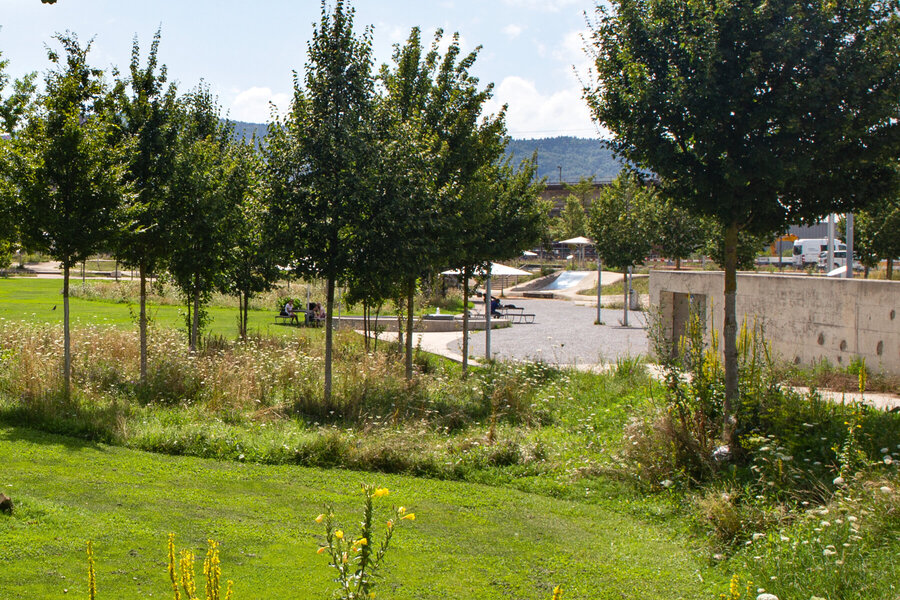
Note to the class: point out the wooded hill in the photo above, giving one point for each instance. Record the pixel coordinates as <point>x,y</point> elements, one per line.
<point>578,157</point>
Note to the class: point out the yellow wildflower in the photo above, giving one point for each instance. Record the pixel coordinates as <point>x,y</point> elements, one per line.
<point>390,524</point>
<point>401,510</point>
<point>410,516</point>
<point>320,550</point>
<point>557,592</point>
<point>360,542</point>
<point>320,518</point>
<point>339,534</point>
<point>379,492</point>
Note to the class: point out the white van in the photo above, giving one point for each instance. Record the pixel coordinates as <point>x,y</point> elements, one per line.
<point>806,252</point>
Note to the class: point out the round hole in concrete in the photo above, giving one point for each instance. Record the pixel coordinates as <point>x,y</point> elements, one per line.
<point>821,339</point>
<point>843,345</point>
<point>879,349</point>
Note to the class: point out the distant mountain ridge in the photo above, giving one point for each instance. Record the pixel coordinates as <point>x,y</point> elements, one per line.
<point>567,158</point>
<point>578,157</point>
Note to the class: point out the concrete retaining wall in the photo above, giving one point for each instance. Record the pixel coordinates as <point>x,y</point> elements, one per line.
<point>806,318</point>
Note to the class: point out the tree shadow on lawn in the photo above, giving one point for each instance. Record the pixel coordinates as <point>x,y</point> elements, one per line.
<point>17,433</point>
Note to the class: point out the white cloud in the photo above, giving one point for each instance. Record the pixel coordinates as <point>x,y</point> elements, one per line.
<point>532,114</point>
<point>512,31</point>
<point>254,105</point>
<point>571,52</point>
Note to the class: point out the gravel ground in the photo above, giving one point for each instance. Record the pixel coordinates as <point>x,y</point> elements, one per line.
<point>563,333</point>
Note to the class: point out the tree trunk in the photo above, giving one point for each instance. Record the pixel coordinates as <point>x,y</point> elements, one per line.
<point>465,346</point>
<point>889,273</point>
<point>729,334</point>
<point>142,322</point>
<point>410,301</point>
<point>678,264</point>
<point>195,323</point>
<point>329,318</point>
<point>375,329</point>
<point>366,324</point>
<point>67,340</point>
<point>625,295</point>
<point>244,309</point>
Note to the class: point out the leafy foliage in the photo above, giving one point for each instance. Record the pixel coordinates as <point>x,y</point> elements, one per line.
<point>208,185</point>
<point>757,115</point>
<point>68,173</point>
<point>620,222</point>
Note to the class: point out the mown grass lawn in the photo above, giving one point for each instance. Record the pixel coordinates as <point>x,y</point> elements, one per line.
<point>468,541</point>
<point>31,299</point>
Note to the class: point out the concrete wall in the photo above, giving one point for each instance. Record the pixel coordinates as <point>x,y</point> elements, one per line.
<point>806,318</point>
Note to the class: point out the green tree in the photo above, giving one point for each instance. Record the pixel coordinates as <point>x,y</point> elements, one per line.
<point>573,218</point>
<point>574,212</point>
<point>320,157</point>
<point>69,174</point>
<point>13,110</point>
<point>675,231</point>
<point>757,115</point>
<point>144,110</point>
<point>621,225</point>
<point>749,245</point>
<point>620,222</point>
<point>250,266</point>
<point>446,103</point>
<point>876,235</point>
<point>201,213</point>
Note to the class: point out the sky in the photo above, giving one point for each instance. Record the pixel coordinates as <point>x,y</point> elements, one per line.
<point>532,50</point>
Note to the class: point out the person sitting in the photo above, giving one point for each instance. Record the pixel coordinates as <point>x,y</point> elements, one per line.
<point>319,314</point>
<point>289,311</point>
<point>495,307</point>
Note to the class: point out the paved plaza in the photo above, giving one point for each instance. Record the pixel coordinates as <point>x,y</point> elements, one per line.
<point>563,333</point>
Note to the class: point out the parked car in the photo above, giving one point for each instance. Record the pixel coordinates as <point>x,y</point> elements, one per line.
<point>807,250</point>
<point>840,260</point>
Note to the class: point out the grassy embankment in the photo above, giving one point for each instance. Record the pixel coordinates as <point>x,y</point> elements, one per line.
<point>514,428</point>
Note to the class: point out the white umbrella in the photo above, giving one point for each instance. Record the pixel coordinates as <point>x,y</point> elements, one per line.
<point>577,241</point>
<point>529,253</point>
<point>496,269</point>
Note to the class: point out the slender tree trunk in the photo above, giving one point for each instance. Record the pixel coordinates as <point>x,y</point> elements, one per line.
<point>729,334</point>
<point>625,295</point>
<point>244,309</point>
<point>329,318</point>
<point>195,323</point>
<point>375,330</point>
<point>465,346</point>
<point>399,323</point>
<point>889,273</point>
<point>142,322</point>
<point>366,324</point>
<point>410,301</point>
<point>678,264</point>
<point>67,340</point>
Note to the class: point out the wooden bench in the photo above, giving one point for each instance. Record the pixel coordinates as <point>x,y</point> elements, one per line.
<point>283,318</point>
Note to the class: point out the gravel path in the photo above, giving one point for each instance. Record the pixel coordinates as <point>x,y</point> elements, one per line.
<point>563,333</point>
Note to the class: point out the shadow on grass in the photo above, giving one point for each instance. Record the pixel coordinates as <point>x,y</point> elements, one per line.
<point>15,433</point>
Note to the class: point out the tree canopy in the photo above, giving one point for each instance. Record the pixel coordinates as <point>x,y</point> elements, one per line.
<point>758,115</point>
